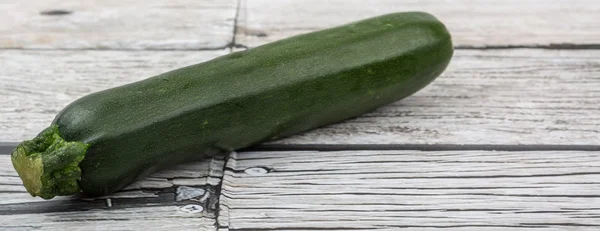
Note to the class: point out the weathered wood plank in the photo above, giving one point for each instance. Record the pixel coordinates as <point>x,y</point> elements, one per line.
<point>117,24</point>
<point>515,96</point>
<point>155,203</point>
<point>387,190</point>
<point>472,23</point>
<point>36,85</point>
<point>145,218</point>
<point>524,96</point>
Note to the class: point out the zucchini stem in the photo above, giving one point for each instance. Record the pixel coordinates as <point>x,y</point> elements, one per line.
<point>48,164</point>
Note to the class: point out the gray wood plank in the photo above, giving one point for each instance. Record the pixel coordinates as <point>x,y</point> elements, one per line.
<point>472,23</point>
<point>502,97</point>
<point>155,203</point>
<point>515,97</point>
<point>388,190</point>
<point>36,85</point>
<point>117,24</point>
<point>145,218</point>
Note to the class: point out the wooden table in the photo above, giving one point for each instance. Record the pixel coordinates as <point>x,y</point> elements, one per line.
<point>508,138</point>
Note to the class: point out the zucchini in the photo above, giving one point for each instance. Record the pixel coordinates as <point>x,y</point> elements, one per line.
<point>106,140</point>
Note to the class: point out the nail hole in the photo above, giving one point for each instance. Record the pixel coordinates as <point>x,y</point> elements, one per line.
<point>256,171</point>
<point>192,208</point>
<point>261,34</point>
<point>55,12</point>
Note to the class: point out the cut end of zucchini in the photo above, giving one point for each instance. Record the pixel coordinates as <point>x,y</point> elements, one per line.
<point>48,165</point>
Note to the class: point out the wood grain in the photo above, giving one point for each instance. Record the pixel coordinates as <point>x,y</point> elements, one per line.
<point>145,218</point>
<point>388,190</point>
<point>154,203</point>
<point>515,97</point>
<point>117,24</point>
<point>36,85</point>
<point>503,97</point>
<point>472,23</point>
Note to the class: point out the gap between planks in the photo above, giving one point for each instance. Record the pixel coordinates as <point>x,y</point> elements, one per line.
<point>165,200</point>
<point>157,202</point>
<point>126,25</point>
<point>6,148</point>
<point>491,24</point>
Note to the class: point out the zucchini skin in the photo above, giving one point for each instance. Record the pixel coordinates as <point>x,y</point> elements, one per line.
<point>244,98</point>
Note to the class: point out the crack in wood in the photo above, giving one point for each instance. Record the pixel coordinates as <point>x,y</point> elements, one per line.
<point>421,147</point>
<point>514,190</point>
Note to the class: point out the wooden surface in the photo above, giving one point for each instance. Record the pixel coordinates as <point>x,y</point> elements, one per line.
<point>388,190</point>
<point>157,202</point>
<point>117,24</point>
<point>61,76</point>
<point>515,96</point>
<point>480,24</point>
<point>524,81</point>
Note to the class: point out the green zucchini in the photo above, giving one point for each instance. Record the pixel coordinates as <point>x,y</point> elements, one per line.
<point>106,140</point>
